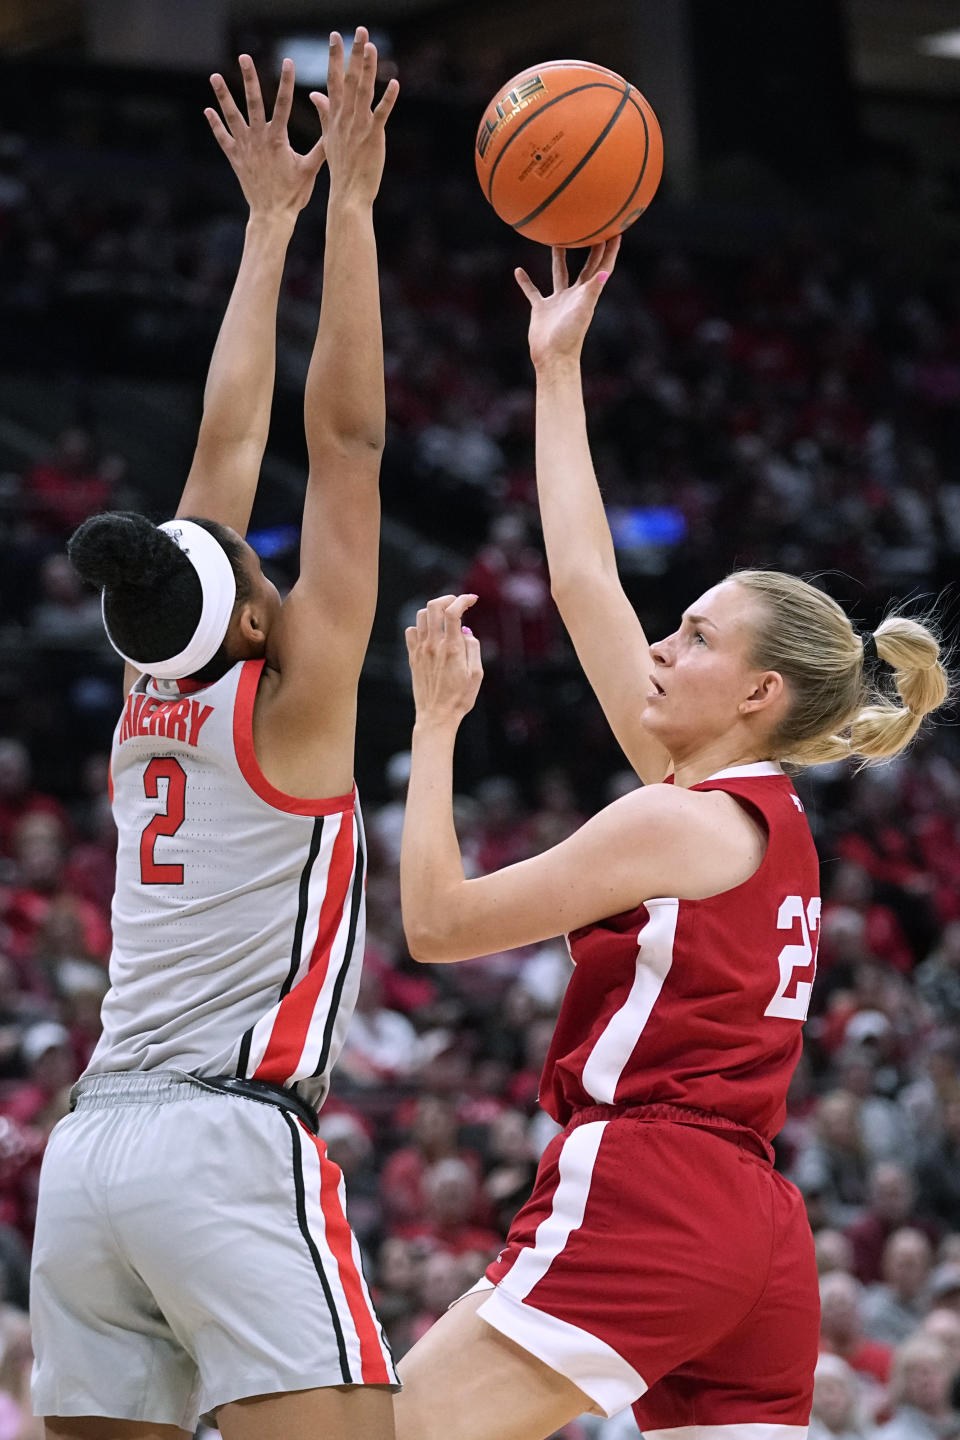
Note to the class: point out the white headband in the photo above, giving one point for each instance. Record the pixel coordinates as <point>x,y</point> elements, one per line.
<point>219,586</point>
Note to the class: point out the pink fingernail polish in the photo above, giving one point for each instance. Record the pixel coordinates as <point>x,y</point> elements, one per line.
<point>466,629</point>
<point>604,275</point>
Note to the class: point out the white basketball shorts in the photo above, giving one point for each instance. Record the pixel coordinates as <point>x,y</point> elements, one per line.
<point>191,1249</point>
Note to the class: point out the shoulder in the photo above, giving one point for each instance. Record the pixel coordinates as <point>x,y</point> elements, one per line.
<point>702,842</point>
<point>682,814</point>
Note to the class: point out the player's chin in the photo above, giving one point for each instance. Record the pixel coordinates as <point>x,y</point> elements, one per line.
<point>652,717</point>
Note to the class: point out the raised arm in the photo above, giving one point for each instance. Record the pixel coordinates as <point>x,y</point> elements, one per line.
<point>277,183</point>
<point>601,622</point>
<point>326,620</point>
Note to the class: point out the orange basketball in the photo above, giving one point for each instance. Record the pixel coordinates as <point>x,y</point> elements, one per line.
<point>569,153</point>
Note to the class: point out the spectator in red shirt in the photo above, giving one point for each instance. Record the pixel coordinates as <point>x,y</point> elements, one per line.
<point>91,867</point>
<point>40,914</point>
<point>891,1205</point>
<point>433,1136</point>
<point>452,1196</point>
<point>502,831</point>
<point>67,487</point>
<point>515,620</point>
<point>17,796</point>
<point>851,887</point>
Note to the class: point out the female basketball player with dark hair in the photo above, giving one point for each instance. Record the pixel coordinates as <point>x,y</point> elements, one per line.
<point>192,1253</point>
<point>660,1262</point>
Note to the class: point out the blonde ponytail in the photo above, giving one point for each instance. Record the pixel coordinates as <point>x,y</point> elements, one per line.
<point>882,728</point>
<point>841,707</point>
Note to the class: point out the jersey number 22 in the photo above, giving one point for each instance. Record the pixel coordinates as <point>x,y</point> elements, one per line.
<point>793,957</point>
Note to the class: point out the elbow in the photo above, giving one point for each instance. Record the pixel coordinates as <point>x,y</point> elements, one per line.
<point>565,585</point>
<point>421,940</point>
<point>579,579</point>
<point>372,441</point>
<point>427,944</point>
<point>347,438</point>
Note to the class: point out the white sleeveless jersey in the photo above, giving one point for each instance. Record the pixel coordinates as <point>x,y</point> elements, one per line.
<point>238,915</point>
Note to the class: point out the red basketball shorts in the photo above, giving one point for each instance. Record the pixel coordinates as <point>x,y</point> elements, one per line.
<point>666,1266</point>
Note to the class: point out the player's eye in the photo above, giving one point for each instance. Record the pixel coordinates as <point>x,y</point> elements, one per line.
<point>697,636</point>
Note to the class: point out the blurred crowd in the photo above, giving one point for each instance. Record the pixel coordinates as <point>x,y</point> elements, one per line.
<point>790,400</point>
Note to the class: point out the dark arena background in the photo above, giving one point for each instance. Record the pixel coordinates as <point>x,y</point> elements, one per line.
<point>773,378</point>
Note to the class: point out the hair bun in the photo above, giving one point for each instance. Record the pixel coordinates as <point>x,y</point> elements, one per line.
<point>122,548</point>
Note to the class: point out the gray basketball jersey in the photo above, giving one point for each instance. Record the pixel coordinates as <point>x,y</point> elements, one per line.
<point>238,915</point>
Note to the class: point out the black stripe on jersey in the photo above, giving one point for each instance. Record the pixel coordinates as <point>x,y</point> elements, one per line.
<point>304,897</point>
<point>302,908</point>
<point>300,1192</point>
<point>356,902</point>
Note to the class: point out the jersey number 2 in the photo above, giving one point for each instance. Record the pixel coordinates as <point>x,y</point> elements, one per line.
<point>166,822</point>
<point>795,957</point>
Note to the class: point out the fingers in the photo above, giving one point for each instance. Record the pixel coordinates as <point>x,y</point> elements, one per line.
<point>441,617</point>
<point>355,65</point>
<point>231,111</point>
<point>527,285</point>
<point>335,69</point>
<point>474,660</point>
<point>387,101</point>
<point>436,612</point>
<point>220,132</point>
<point>453,613</point>
<point>316,156</point>
<point>601,260</point>
<point>441,652</point>
<point>610,252</point>
<point>284,100</point>
<point>352,87</point>
<point>367,74</point>
<point>561,276</point>
<point>251,89</point>
<point>454,633</point>
<point>423,616</point>
<point>592,264</point>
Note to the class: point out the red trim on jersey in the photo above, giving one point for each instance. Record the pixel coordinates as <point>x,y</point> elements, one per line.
<point>250,765</point>
<point>184,687</point>
<point>373,1366</point>
<point>110,779</point>
<point>190,687</point>
<point>292,1023</point>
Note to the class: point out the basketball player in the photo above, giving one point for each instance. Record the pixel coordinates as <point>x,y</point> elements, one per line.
<point>660,1262</point>
<point>192,1253</point>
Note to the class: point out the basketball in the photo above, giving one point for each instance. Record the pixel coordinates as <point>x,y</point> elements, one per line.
<point>569,153</point>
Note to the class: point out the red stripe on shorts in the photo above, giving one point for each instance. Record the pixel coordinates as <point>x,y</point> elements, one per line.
<point>373,1366</point>
<point>292,1025</point>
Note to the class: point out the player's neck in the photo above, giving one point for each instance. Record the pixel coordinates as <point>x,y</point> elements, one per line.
<point>693,767</point>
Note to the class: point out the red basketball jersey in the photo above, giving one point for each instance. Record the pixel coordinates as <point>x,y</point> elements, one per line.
<point>699,1002</point>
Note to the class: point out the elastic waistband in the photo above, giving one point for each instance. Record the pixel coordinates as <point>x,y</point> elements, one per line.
<point>132,1087</point>
<point>740,1135</point>
<point>157,1087</point>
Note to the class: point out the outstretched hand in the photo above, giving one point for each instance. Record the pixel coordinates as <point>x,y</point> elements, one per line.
<point>352,126</point>
<point>275,179</point>
<point>444,660</point>
<point>559,321</point>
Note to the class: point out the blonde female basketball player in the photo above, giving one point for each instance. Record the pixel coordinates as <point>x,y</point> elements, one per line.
<point>660,1262</point>
<point>192,1252</point>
